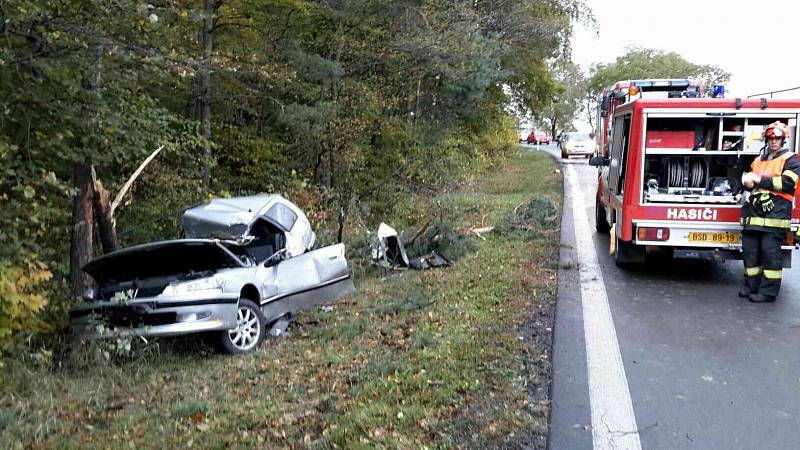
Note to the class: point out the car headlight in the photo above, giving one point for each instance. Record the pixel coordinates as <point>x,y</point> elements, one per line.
<point>90,293</point>
<point>203,284</point>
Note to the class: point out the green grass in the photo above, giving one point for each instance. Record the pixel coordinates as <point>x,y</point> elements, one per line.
<point>428,359</point>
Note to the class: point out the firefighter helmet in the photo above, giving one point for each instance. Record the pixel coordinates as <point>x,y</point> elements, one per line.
<point>776,129</point>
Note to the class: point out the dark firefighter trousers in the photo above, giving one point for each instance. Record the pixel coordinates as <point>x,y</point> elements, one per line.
<point>763,261</point>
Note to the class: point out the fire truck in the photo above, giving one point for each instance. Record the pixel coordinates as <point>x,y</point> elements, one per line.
<point>670,173</point>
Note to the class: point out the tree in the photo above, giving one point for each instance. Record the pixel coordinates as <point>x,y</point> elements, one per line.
<point>639,63</point>
<point>567,98</point>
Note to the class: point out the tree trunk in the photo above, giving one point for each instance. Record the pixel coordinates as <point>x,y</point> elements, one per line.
<point>81,243</point>
<point>82,230</point>
<point>591,113</point>
<point>105,220</point>
<point>207,38</point>
<point>332,165</point>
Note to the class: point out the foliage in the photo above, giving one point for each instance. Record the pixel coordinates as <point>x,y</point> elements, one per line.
<point>637,63</point>
<point>540,213</point>
<point>20,297</point>
<point>441,237</point>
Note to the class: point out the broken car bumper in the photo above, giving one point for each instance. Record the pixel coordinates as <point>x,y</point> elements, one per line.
<point>157,316</point>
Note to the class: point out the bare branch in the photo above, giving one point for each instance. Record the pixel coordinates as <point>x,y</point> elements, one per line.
<point>130,181</point>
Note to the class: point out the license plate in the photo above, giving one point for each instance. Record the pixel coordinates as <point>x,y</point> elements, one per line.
<point>717,238</point>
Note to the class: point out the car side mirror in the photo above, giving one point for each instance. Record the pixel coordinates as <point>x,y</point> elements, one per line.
<point>598,161</point>
<point>275,258</point>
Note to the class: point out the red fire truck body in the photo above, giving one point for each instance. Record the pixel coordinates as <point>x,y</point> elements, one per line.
<point>672,175</point>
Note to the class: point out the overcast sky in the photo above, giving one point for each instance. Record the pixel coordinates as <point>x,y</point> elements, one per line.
<point>754,41</point>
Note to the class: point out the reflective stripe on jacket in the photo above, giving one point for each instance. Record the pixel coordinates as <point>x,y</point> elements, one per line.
<point>766,222</point>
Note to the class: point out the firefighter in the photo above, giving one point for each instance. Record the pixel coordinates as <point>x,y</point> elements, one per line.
<point>766,216</point>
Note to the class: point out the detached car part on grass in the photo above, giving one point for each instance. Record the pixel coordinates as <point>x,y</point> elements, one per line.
<point>244,263</point>
<point>388,251</point>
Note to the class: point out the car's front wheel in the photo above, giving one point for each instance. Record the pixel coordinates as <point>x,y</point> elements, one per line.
<point>249,331</point>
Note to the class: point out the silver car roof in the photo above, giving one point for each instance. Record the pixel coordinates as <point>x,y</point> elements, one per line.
<point>232,218</point>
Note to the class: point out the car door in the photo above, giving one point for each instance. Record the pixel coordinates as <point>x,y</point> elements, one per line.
<point>307,274</point>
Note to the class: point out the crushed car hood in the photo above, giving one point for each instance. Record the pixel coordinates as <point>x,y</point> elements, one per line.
<point>161,259</point>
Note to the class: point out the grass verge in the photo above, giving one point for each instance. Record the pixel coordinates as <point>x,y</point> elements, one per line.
<point>446,358</point>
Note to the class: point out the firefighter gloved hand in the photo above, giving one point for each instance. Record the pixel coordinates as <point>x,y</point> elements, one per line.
<point>767,205</point>
<point>765,202</point>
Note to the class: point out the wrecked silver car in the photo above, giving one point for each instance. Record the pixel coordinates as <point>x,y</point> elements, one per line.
<point>243,263</point>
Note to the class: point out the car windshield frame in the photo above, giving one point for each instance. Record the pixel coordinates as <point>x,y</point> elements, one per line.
<point>578,136</point>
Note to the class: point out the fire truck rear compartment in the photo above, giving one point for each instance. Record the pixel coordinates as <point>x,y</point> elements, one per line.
<point>700,159</point>
<point>713,179</point>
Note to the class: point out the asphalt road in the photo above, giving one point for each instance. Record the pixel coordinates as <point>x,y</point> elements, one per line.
<point>705,369</point>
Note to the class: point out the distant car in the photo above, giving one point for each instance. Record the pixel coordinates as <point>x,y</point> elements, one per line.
<point>575,143</point>
<point>244,263</point>
<point>538,137</point>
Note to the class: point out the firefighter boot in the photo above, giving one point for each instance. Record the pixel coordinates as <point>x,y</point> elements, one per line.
<point>761,298</point>
<point>745,292</point>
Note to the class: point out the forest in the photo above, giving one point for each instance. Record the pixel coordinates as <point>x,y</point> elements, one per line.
<point>364,107</point>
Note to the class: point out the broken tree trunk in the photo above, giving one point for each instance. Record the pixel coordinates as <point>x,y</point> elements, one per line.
<point>82,229</point>
<point>105,218</point>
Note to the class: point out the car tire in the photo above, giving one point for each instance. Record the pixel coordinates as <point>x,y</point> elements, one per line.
<point>249,331</point>
<point>600,223</point>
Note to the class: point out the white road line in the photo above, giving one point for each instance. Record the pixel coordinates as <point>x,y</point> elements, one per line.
<point>613,420</point>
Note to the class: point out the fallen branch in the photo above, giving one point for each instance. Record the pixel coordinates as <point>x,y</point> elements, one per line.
<point>130,181</point>
<point>419,232</point>
<point>477,231</point>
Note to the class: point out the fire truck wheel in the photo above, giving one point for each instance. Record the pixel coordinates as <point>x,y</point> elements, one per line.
<point>600,222</point>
